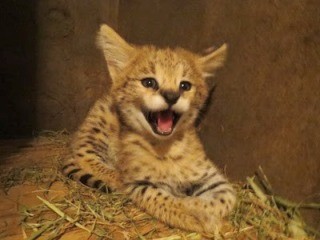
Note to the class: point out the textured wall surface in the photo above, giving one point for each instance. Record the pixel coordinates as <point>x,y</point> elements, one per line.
<point>71,72</point>
<point>265,108</point>
<point>266,105</point>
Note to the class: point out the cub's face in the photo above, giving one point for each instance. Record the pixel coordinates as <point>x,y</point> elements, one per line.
<point>158,91</point>
<point>161,91</point>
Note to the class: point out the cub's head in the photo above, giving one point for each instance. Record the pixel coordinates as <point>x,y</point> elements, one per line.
<point>157,91</point>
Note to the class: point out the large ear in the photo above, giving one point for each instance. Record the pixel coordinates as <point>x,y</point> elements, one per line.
<point>116,50</point>
<point>212,61</point>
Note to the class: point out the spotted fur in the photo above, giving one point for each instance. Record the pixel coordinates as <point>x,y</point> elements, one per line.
<point>120,147</point>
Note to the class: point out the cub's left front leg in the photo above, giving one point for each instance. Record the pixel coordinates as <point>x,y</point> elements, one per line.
<point>213,196</point>
<point>199,211</point>
<point>141,184</point>
<point>166,207</point>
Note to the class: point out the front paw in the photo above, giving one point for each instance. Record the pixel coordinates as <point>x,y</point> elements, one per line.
<point>210,223</point>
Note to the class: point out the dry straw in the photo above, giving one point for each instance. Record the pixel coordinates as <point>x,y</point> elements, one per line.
<point>259,214</point>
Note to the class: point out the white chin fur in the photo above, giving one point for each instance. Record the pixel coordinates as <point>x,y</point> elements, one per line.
<point>155,103</point>
<point>141,122</point>
<point>181,106</point>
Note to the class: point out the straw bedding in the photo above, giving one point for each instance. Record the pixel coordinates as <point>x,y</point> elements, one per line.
<point>62,209</point>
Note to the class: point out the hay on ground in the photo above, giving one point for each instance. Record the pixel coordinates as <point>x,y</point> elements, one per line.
<point>67,208</point>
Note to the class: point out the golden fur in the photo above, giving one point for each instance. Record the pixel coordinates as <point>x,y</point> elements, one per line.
<point>140,138</point>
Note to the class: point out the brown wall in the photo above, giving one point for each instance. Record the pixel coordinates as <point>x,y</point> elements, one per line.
<point>265,107</point>
<point>71,73</point>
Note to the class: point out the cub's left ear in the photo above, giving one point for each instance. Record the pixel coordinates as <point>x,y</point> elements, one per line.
<point>212,61</point>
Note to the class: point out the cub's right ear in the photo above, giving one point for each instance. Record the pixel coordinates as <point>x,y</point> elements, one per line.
<point>116,50</point>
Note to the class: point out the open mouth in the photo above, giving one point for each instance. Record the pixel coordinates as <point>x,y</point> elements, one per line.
<point>162,122</point>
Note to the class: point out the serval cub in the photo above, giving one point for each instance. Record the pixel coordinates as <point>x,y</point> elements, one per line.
<point>140,138</point>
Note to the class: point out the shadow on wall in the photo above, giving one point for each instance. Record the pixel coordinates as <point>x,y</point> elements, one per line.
<point>18,68</point>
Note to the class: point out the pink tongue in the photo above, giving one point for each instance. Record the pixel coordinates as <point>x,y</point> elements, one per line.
<point>165,121</point>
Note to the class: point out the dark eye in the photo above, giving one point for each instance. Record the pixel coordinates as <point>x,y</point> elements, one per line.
<point>185,86</point>
<point>150,83</point>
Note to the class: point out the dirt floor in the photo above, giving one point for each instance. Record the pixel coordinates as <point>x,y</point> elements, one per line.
<point>37,202</point>
<point>23,214</point>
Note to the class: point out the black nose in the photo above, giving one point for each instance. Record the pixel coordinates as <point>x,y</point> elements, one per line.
<point>171,97</point>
